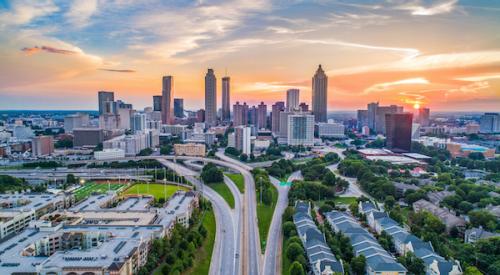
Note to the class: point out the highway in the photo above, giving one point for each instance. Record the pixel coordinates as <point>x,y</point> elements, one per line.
<point>237,220</point>
<point>273,254</point>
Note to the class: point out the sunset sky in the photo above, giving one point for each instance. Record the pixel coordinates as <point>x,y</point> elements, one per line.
<point>442,54</point>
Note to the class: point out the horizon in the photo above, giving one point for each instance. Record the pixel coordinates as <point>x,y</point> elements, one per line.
<point>443,54</point>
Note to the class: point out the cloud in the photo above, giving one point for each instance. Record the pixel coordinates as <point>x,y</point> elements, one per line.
<point>118,70</point>
<point>36,49</point>
<point>24,11</point>
<point>416,8</point>
<point>80,12</point>
<point>381,87</point>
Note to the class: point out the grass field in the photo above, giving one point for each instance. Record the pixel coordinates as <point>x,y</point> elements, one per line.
<point>155,189</point>
<point>92,187</point>
<point>201,264</point>
<point>345,200</point>
<point>238,180</point>
<point>265,215</point>
<point>224,191</point>
<point>285,262</point>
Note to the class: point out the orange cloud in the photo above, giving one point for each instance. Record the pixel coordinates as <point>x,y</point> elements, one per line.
<point>118,70</point>
<point>36,49</point>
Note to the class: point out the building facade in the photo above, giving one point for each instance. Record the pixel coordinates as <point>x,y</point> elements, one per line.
<point>399,130</point>
<point>166,99</point>
<point>300,130</point>
<point>226,99</point>
<point>319,95</point>
<point>292,99</point>
<point>210,98</point>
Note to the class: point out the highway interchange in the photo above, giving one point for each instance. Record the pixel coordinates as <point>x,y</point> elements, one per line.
<point>237,247</point>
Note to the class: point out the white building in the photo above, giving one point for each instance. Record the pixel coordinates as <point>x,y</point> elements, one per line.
<point>22,132</point>
<point>243,139</point>
<point>109,154</point>
<point>490,123</point>
<point>331,129</point>
<point>138,122</point>
<point>78,120</point>
<point>292,99</point>
<point>300,129</point>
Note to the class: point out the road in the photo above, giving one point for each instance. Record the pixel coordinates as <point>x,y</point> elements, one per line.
<point>251,240</point>
<point>238,213</point>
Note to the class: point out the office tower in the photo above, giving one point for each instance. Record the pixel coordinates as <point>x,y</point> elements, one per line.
<point>262,116</point>
<point>380,116</point>
<point>179,107</point>
<point>423,116</point>
<point>106,102</point>
<point>242,139</point>
<point>303,107</point>
<point>399,130</point>
<point>138,122</point>
<point>240,114</point>
<point>319,95</point>
<point>210,98</point>
<point>42,146</point>
<point>109,122</point>
<point>252,116</point>
<point>200,115</point>
<point>362,118</point>
<point>78,120</point>
<point>371,114</point>
<point>283,132</point>
<point>490,123</point>
<point>87,137</point>
<point>292,99</point>
<point>166,99</point>
<point>124,116</point>
<point>226,99</point>
<point>157,103</point>
<point>119,104</point>
<point>300,129</point>
<point>276,109</point>
<point>331,129</point>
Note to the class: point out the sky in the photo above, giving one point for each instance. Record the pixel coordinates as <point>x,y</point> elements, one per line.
<point>441,54</point>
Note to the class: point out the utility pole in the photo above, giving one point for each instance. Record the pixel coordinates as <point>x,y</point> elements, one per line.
<point>260,181</point>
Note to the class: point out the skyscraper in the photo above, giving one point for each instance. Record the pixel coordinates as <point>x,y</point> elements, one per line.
<point>319,95</point>
<point>157,103</point>
<point>252,116</point>
<point>210,98</point>
<point>242,139</point>
<point>226,99</point>
<point>106,102</point>
<point>166,99</point>
<point>371,114</point>
<point>179,107</point>
<point>423,116</point>
<point>300,129</point>
<point>380,116</point>
<point>240,114</point>
<point>262,116</point>
<point>362,118</point>
<point>292,99</point>
<point>303,107</point>
<point>276,109</point>
<point>399,129</point>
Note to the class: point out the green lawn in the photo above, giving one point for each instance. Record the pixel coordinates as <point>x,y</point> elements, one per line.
<point>154,189</point>
<point>201,264</point>
<point>345,200</point>
<point>224,191</point>
<point>265,215</point>
<point>238,180</point>
<point>92,187</point>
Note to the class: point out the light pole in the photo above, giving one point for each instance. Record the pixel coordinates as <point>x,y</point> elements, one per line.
<point>260,181</point>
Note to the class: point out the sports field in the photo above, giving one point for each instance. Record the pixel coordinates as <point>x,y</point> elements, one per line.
<point>154,189</point>
<point>92,187</point>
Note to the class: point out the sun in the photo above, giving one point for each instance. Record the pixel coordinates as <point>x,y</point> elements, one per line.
<point>416,106</point>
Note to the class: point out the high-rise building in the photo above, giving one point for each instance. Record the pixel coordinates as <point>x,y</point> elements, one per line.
<point>242,139</point>
<point>371,114</point>
<point>362,118</point>
<point>277,108</point>
<point>283,132</point>
<point>78,120</point>
<point>200,115</point>
<point>226,99</point>
<point>423,116</point>
<point>240,114</point>
<point>106,102</point>
<point>319,95</point>
<point>124,115</point>
<point>157,103</point>
<point>179,107</point>
<point>292,99</point>
<point>138,122</point>
<point>262,116</point>
<point>87,137</point>
<point>490,123</point>
<point>331,129</point>
<point>166,99</point>
<point>380,116</point>
<point>210,98</point>
<point>252,116</point>
<point>300,129</point>
<point>399,131</point>
<point>42,146</point>
<point>303,107</point>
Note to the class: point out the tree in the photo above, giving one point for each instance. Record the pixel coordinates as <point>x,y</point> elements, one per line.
<point>232,151</point>
<point>329,179</point>
<point>296,269</point>
<point>293,251</point>
<point>476,156</point>
<point>414,264</point>
<point>358,265</point>
<point>243,157</point>
<point>389,202</point>
<point>472,270</point>
<point>267,196</point>
<point>288,227</point>
<point>166,149</point>
<point>211,174</point>
<point>145,152</point>
<point>70,179</point>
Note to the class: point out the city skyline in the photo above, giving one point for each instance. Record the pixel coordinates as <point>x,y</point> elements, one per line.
<point>395,53</point>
